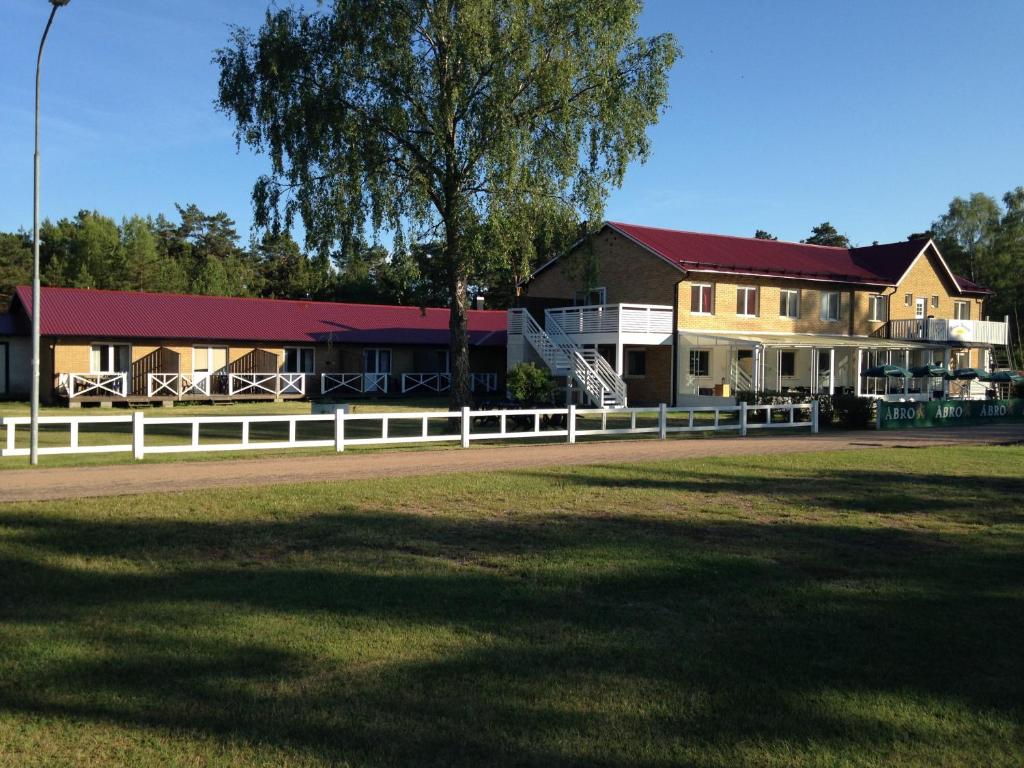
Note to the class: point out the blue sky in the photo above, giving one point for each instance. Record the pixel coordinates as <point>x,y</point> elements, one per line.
<point>782,114</point>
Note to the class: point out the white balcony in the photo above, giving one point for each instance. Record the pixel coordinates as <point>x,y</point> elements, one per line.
<point>611,323</point>
<point>968,332</point>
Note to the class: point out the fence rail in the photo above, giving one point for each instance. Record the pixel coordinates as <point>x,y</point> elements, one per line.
<point>342,429</point>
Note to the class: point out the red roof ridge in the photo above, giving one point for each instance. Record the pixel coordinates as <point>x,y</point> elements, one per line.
<point>239,298</point>
<point>731,237</point>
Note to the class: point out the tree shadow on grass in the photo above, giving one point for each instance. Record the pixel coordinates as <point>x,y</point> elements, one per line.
<point>384,638</point>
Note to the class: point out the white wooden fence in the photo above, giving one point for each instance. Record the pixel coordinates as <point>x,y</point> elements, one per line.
<point>463,427</point>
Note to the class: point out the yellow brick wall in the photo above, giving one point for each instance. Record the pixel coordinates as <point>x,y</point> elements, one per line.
<point>629,274</point>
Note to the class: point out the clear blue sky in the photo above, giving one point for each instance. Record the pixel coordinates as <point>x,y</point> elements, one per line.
<point>782,114</point>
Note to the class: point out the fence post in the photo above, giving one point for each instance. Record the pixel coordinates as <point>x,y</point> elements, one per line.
<point>743,419</point>
<point>814,417</point>
<point>571,423</point>
<point>465,426</point>
<point>662,422</point>
<point>339,429</point>
<point>138,435</point>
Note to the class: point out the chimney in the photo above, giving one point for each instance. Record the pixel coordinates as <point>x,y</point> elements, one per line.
<point>478,302</point>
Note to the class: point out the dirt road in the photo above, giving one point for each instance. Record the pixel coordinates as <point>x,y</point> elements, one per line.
<point>69,482</point>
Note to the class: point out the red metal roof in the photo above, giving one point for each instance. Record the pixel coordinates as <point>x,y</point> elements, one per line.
<point>122,314</point>
<point>697,252</point>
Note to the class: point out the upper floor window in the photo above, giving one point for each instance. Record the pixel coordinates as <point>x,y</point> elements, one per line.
<point>908,299</point>
<point>830,305</point>
<point>700,362</point>
<point>298,360</point>
<point>590,298</point>
<point>789,303</point>
<point>935,301</point>
<point>877,308</point>
<point>962,310</point>
<point>702,299</point>
<point>746,302</point>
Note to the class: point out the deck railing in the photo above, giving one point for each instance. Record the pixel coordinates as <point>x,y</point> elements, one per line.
<point>442,382</point>
<point>356,383</point>
<point>937,329</point>
<point>178,384</point>
<point>614,318</point>
<point>242,384</point>
<point>96,384</point>
<point>340,429</point>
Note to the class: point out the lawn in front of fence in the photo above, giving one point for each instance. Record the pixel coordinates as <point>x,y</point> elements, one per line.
<point>806,610</point>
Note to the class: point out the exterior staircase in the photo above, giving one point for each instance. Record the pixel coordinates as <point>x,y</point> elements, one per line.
<point>585,367</point>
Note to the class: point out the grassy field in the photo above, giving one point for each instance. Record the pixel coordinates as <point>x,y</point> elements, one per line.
<point>832,609</point>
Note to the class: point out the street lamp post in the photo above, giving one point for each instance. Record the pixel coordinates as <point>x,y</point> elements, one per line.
<point>34,444</point>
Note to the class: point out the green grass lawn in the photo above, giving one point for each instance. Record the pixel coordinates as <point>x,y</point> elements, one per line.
<point>833,609</point>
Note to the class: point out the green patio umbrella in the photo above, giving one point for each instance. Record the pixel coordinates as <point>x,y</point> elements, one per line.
<point>966,374</point>
<point>1006,377</point>
<point>882,371</point>
<point>930,371</point>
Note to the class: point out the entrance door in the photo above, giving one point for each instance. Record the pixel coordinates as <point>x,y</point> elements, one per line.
<point>3,368</point>
<point>376,367</point>
<point>824,364</point>
<point>920,304</point>
<point>209,366</point>
<point>744,370</point>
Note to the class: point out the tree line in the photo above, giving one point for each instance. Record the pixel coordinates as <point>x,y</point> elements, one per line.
<point>202,253</point>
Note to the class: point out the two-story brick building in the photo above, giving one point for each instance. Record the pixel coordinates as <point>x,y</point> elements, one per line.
<point>681,317</point>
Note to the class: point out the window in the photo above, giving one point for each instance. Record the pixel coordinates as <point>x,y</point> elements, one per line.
<point>935,302</point>
<point>298,360</point>
<point>110,358</point>
<point>700,362</point>
<point>962,310</point>
<point>908,299</point>
<point>787,363</point>
<point>746,302</point>
<point>590,298</point>
<point>830,305</point>
<point>209,359</point>
<point>789,304</point>
<point>376,360</point>
<point>702,300</point>
<point>877,308</point>
<point>636,362</point>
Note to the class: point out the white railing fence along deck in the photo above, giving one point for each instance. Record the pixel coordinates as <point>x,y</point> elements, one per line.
<point>341,429</point>
<point>266,384</point>
<point>97,384</point>
<point>177,384</point>
<point>442,382</point>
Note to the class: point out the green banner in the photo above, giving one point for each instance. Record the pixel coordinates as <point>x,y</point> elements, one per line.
<point>948,413</point>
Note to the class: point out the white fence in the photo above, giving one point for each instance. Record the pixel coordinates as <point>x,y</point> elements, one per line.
<point>614,318</point>
<point>341,429</point>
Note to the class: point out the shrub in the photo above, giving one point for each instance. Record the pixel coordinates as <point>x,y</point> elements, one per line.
<point>854,412</point>
<point>529,383</point>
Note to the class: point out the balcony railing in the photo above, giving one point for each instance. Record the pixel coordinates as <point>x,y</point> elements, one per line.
<point>95,384</point>
<point>442,382</point>
<point>358,383</point>
<point>613,318</point>
<point>967,331</point>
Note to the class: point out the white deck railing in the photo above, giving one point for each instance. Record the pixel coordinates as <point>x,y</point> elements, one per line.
<point>341,429</point>
<point>973,331</point>
<point>266,384</point>
<point>96,384</point>
<point>177,384</point>
<point>358,383</point>
<point>614,318</point>
<point>442,382</point>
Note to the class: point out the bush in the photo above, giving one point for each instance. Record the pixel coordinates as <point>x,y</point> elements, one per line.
<point>1018,390</point>
<point>854,412</point>
<point>843,409</point>
<point>528,383</point>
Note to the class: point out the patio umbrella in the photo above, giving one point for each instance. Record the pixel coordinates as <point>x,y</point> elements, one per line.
<point>1006,377</point>
<point>930,371</point>
<point>882,371</point>
<point>966,374</point>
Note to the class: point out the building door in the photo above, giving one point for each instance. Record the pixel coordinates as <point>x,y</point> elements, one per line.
<point>209,369</point>
<point>744,378</point>
<point>824,370</point>
<point>376,368</point>
<point>920,305</point>
<point>3,368</point>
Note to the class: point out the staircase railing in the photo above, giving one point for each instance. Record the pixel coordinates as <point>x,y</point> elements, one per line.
<point>589,369</point>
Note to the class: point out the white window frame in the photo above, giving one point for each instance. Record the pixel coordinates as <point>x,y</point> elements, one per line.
<point>908,299</point>
<point>826,315</point>
<point>376,359</point>
<point>935,301</point>
<point>583,298</point>
<point>299,354</point>
<point>209,350</point>
<point>698,351</point>
<point>700,302</point>
<point>746,289</point>
<point>878,308</point>
<point>789,295</point>
<point>961,310</point>
<point>109,347</point>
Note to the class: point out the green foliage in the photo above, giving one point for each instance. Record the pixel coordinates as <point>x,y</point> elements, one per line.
<point>529,383</point>
<point>843,409</point>
<point>764,235</point>
<point>487,124</point>
<point>826,234</point>
<point>852,412</point>
<point>15,264</point>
